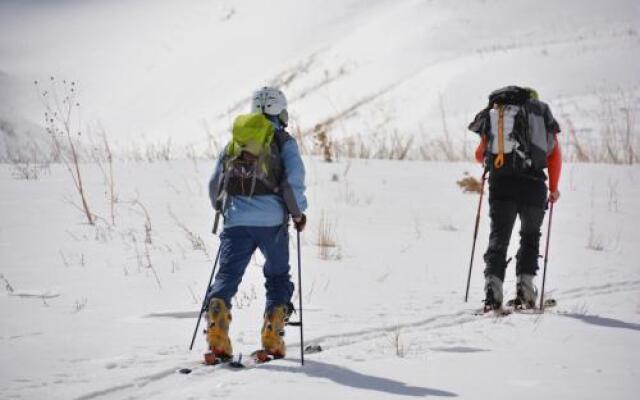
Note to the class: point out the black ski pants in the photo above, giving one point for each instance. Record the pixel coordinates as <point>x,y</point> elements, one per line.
<point>503,210</point>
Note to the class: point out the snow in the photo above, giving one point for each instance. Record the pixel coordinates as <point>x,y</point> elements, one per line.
<point>107,311</point>
<point>386,306</point>
<point>152,70</point>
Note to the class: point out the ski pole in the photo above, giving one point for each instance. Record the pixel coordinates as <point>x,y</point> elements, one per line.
<point>204,301</point>
<point>546,256</point>
<point>475,234</point>
<point>300,302</point>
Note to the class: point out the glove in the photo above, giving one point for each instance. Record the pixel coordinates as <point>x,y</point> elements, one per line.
<point>300,222</point>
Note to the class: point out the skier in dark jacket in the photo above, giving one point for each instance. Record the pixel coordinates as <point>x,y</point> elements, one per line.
<point>518,141</point>
<point>256,204</point>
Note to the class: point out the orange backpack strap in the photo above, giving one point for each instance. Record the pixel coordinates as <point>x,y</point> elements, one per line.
<point>499,161</point>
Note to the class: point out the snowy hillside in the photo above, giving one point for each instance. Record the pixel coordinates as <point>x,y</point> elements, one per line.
<point>149,70</point>
<point>102,313</point>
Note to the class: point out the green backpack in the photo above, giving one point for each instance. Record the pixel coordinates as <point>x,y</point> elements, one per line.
<point>252,133</point>
<point>252,165</point>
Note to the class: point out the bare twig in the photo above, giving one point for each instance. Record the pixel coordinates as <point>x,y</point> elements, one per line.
<point>7,285</point>
<point>60,118</point>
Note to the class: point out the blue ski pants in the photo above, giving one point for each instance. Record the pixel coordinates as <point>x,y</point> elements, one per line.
<point>237,245</point>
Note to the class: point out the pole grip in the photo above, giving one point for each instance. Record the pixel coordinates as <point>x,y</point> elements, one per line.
<point>216,221</point>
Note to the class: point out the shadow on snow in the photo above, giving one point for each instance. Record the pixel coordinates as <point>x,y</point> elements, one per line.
<point>348,377</point>
<point>603,321</point>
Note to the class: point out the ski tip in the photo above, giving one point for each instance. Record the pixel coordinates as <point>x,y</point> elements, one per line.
<point>185,371</point>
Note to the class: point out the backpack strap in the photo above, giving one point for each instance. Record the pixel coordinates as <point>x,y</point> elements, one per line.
<point>220,203</point>
<point>222,181</point>
<point>281,137</point>
<point>499,160</point>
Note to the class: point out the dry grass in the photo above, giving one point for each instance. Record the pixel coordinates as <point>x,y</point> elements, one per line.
<point>327,242</point>
<point>139,207</point>
<point>397,343</point>
<point>470,184</point>
<point>29,169</point>
<point>80,304</point>
<point>595,240</point>
<point>614,137</point>
<point>611,125</point>
<point>7,285</point>
<point>144,258</point>
<point>62,122</point>
<point>323,143</point>
<point>102,155</point>
<point>197,243</point>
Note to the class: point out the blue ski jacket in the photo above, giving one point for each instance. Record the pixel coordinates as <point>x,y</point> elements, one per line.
<point>265,210</point>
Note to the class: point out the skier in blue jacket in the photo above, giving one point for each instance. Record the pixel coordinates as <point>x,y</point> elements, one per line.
<point>256,194</point>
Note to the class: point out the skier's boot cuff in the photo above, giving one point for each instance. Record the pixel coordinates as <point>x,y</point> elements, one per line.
<point>218,321</point>
<point>493,293</point>
<point>526,292</point>
<point>273,331</point>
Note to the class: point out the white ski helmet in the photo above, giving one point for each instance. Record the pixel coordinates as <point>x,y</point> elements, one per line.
<point>270,101</point>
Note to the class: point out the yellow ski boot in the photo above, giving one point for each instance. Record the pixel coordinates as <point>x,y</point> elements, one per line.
<point>218,321</point>
<point>273,331</point>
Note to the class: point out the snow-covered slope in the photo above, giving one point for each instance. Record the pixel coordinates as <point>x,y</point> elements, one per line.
<point>107,311</point>
<point>153,69</point>
<point>98,313</point>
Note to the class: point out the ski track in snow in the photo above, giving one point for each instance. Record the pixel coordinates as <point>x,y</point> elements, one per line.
<point>144,386</point>
<point>600,290</point>
<point>370,70</point>
<point>329,342</point>
<point>138,383</point>
<point>457,332</point>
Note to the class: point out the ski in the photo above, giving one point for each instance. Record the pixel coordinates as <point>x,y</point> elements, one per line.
<point>259,357</point>
<point>514,307</point>
<point>210,361</point>
<point>497,312</point>
<point>262,356</point>
<point>511,307</point>
<point>256,358</point>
